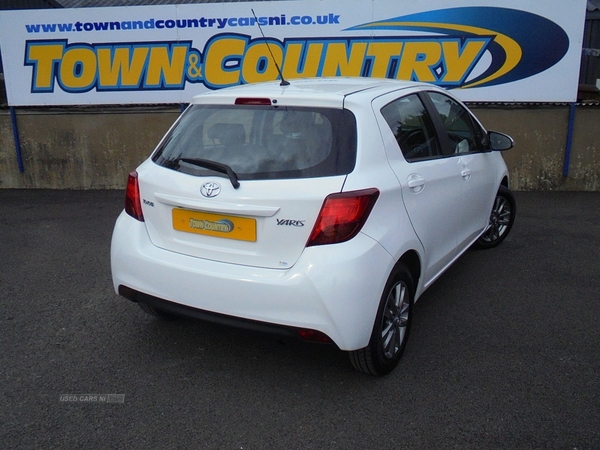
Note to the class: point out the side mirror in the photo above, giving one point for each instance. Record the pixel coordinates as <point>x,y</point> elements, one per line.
<point>500,141</point>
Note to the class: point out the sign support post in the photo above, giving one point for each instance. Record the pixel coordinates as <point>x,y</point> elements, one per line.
<point>13,118</point>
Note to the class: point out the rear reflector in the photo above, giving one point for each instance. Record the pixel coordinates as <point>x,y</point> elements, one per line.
<point>313,336</point>
<point>133,203</point>
<point>342,216</point>
<point>253,101</point>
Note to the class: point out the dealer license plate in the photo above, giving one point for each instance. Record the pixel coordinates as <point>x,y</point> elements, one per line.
<point>217,225</point>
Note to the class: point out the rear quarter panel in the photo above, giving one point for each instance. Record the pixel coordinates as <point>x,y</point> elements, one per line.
<point>388,223</point>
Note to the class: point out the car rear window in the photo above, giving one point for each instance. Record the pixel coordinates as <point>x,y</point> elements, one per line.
<point>262,142</point>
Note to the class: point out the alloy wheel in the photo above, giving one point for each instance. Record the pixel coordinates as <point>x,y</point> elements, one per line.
<point>395,320</point>
<point>499,220</point>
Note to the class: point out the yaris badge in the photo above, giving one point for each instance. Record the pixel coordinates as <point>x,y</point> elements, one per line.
<point>210,189</point>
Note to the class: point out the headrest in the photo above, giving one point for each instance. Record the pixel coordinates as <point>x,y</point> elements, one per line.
<point>228,133</point>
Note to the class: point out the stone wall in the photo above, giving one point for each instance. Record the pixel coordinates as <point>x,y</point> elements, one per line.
<point>96,147</point>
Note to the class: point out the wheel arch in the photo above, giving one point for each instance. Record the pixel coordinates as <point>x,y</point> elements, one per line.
<point>412,261</point>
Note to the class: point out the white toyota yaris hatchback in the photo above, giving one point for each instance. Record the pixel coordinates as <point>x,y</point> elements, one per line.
<point>323,208</point>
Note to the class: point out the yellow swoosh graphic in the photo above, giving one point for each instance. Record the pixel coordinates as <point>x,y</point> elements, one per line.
<point>511,47</point>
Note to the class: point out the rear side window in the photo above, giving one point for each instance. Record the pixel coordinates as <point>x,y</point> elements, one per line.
<point>263,142</point>
<point>412,126</point>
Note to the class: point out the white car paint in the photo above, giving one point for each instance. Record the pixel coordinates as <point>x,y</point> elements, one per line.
<point>435,208</point>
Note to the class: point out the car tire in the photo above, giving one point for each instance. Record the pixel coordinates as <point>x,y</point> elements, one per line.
<point>159,313</point>
<point>391,328</point>
<point>501,221</point>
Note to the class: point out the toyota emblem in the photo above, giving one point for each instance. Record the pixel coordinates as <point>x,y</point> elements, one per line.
<point>210,189</point>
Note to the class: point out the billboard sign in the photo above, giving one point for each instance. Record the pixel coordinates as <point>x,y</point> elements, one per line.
<point>513,51</point>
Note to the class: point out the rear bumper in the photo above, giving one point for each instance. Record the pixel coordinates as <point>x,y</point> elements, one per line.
<point>206,316</point>
<point>333,289</point>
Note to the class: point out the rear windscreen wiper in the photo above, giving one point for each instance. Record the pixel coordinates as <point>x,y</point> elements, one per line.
<point>213,165</point>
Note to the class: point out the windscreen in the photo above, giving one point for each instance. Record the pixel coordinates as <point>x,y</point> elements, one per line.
<point>262,142</point>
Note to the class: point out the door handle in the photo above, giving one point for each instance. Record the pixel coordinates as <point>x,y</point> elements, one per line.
<point>466,174</point>
<point>416,183</point>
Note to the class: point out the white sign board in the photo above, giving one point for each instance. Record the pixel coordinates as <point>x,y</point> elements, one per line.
<point>516,50</point>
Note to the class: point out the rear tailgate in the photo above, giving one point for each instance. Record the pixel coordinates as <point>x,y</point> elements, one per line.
<point>263,223</point>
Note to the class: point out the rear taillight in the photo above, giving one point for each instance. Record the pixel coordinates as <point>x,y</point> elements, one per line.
<point>133,202</point>
<point>342,216</point>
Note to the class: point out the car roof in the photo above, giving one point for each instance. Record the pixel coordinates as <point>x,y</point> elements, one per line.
<point>326,92</point>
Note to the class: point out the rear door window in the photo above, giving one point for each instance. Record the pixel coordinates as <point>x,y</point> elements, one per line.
<point>261,142</point>
<point>408,119</point>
